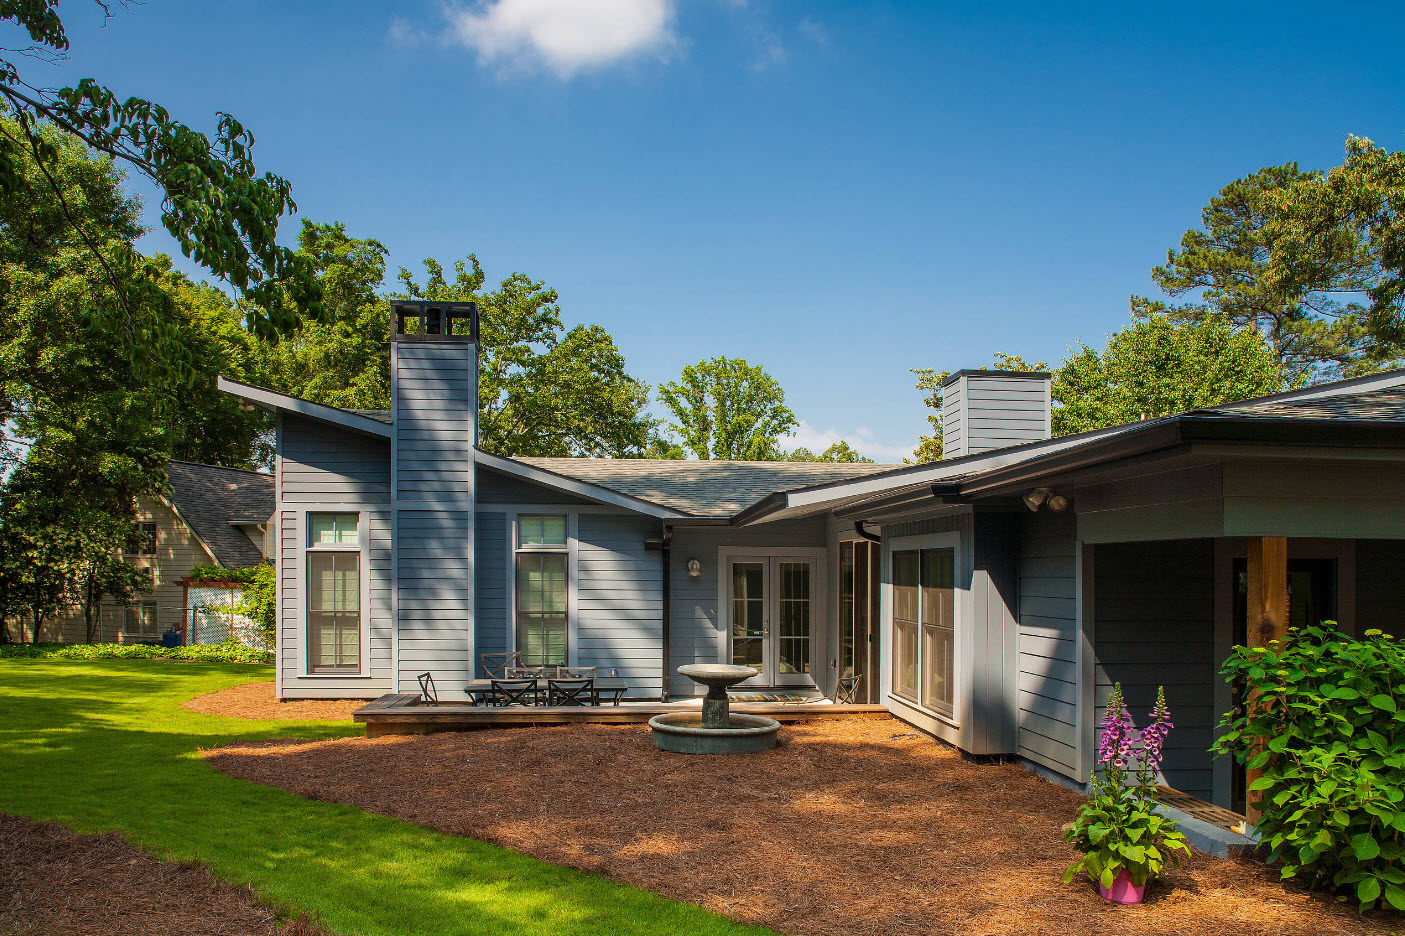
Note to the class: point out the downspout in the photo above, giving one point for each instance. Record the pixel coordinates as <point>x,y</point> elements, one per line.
<point>667,575</point>
<point>871,537</point>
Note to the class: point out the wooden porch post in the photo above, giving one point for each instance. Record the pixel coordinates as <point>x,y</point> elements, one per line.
<point>1267,617</point>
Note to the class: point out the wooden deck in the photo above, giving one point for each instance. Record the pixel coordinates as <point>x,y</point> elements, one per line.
<point>403,713</point>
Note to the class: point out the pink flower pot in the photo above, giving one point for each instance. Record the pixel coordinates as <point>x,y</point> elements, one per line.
<point>1123,891</point>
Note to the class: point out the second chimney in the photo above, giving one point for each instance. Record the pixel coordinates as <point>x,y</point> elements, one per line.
<point>985,410</point>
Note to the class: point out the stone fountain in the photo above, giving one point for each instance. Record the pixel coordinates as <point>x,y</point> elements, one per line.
<point>715,730</point>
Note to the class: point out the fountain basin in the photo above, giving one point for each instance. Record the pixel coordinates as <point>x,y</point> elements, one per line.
<point>684,733</point>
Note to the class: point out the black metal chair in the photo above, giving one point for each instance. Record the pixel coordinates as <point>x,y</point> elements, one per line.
<point>575,672</point>
<point>496,665</point>
<point>427,693</point>
<point>514,692</point>
<point>571,691</point>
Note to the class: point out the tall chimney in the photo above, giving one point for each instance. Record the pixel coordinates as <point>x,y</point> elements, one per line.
<point>985,410</point>
<point>434,410</point>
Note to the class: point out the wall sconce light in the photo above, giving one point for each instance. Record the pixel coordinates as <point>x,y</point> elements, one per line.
<point>694,568</point>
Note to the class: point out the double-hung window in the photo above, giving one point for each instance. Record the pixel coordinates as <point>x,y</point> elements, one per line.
<point>541,567</point>
<point>333,593</point>
<point>924,627</point>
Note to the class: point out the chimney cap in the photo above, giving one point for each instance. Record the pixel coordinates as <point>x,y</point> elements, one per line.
<point>434,321</point>
<point>974,372</point>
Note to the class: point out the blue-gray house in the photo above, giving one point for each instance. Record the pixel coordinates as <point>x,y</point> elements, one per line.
<point>990,599</point>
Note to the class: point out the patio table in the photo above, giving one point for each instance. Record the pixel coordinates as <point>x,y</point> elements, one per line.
<point>606,687</point>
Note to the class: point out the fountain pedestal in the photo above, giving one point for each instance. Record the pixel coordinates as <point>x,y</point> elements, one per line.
<point>716,730</point>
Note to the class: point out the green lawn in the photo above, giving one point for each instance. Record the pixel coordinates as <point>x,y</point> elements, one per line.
<point>106,745</point>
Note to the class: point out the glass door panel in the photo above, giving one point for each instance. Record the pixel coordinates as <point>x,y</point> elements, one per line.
<point>794,617</point>
<point>749,623</point>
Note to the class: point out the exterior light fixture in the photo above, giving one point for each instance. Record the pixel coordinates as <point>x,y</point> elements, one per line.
<point>1058,502</point>
<point>1035,498</point>
<point>694,568</point>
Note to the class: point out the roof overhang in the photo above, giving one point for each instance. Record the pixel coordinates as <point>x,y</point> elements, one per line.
<point>575,486</point>
<point>896,494</point>
<point>276,402</point>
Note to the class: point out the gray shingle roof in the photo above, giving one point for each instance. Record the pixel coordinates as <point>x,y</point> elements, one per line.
<point>1388,403</point>
<point>208,498</point>
<point>379,415</point>
<point>701,488</point>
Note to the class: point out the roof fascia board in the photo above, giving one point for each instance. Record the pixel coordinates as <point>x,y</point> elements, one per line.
<point>273,400</point>
<point>575,486</point>
<point>1250,430</point>
<point>970,464</point>
<point>1152,438</point>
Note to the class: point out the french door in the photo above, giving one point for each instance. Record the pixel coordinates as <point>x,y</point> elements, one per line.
<point>771,613</point>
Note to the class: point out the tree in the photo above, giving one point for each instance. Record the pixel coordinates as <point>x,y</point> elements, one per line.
<point>1365,195</point>
<point>1251,265</point>
<point>727,409</point>
<point>929,447</point>
<point>1157,367</point>
<point>542,390</point>
<point>838,452</point>
<point>221,212</point>
<point>343,360</point>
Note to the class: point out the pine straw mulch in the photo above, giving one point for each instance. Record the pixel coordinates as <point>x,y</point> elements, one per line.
<point>257,701</point>
<point>56,883</point>
<point>856,826</point>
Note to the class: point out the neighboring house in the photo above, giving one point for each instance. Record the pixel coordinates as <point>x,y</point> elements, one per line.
<point>990,599</point>
<point>212,516</point>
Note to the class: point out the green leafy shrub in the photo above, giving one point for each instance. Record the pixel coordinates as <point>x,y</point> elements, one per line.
<point>214,573</point>
<point>1328,731</point>
<point>196,654</point>
<point>1119,829</point>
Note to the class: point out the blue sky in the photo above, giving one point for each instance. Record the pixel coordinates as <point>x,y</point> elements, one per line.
<point>840,192</point>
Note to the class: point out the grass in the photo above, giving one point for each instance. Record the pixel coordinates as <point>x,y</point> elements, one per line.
<point>101,745</point>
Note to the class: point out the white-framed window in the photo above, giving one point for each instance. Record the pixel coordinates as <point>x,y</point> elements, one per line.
<point>146,538</point>
<point>333,593</point>
<point>924,627</point>
<point>541,566</point>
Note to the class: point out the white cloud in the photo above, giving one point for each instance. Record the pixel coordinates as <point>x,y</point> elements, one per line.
<point>813,30</point>
<point>564,36</point>
<point>861,439</point>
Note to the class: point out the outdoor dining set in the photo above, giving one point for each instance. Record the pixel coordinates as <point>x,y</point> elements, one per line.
<point>509,681</point>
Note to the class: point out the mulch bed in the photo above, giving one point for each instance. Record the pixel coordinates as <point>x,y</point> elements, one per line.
<point>56,883</point>
<point>257,701</point>
<point>855,826</point>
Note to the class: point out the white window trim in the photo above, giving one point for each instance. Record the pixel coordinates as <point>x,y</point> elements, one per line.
<point>960,637</point>
<point>363,541</point>
<point>571,549</point>
<point>819,650</point>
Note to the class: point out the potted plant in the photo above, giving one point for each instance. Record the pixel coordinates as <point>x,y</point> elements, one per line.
<point>1124,840</point>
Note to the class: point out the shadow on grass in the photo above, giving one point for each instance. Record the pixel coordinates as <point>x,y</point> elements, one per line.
<point>106,745</point>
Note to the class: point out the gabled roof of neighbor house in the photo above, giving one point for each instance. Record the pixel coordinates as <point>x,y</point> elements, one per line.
<point>708,489</point>
<point>1363,410</point>
<point>212,501</point>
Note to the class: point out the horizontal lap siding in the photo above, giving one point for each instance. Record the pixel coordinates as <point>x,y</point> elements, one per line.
<point>435,398</point>
<point>325,464</point>
<point>490,599</point>
<point>435,610</point>
<point>1047,696</point>
<point>1155,613</point>
<point>694,623</point>
<point>619,599</point>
